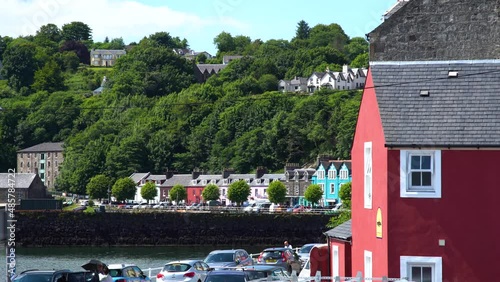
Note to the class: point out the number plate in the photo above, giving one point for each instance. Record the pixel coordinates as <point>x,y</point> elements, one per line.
<point>270,261</point>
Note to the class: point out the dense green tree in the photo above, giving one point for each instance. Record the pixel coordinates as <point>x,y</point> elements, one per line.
<point>79,48</point>
<point>361,61</point>
<point>49,78</point>
<point>211,192</point>
<point>50,32</point>
<point>76,31</point>
<point>356,47</point>
<point>163,39</point>
<point>19,63</point>
<point>303,30</point>
<point>201,58</point>
<point>238,192</point>
<point>148,191</point>
<point>123,189</point>
<point>178,194</point>
<point>98,186</point>
<point>328,35</point>
<point>345,212</point>
<point>313,193</point>
<point>68,61</point>
<point>276,192</point>
<point>224,42</point>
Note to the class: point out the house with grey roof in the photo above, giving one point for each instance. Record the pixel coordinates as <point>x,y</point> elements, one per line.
<point>105,58</point>
<point>25,186</point>
<point>202,72</point>
<point>427,142</point>
<point>44,159</point>
<point>346,79</point>
<point>227,59</point>
<point>297,84</point>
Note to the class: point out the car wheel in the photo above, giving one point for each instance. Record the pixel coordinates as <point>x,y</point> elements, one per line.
<point>290,269</point>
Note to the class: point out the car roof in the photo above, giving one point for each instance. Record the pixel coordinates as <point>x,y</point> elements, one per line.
<point>277,249</point>
<point>262,267</point>
<point>226,251</point>
<point>43,271</point>
<point>186,261</point>
<point>227,272</point>
<point>120,265</point>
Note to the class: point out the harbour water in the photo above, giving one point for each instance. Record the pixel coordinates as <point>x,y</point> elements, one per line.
<point>73,257</point>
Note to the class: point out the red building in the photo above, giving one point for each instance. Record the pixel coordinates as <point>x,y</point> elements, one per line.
<point>339,244</point>
<point>427,146</point>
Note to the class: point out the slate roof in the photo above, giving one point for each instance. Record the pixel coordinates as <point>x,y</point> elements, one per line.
<point>460,111</point>
<point>21,180</point>
<point>343,231</point>
<point>44,147</point>
<point>216,68</point>
<point>136,177</point>
<point>107,52</point>
<point>181,179</point>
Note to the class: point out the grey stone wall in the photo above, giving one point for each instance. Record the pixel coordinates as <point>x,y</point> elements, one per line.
<point>428,30</point>
<point>162,228</point>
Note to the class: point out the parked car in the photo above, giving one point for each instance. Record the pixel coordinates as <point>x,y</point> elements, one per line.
<point>53,276</point>
<point>261,207</point>
<point>127,273</point>
<point>193,206</point>
<point>184,270</point>
<point>162,205</point>
<point>227,276</point>
<point>228,258</point>
<point>284,257</point>
<point>299,208</point>
<point>265,272</point>
<point>141,206</point>
<point>304,252</point>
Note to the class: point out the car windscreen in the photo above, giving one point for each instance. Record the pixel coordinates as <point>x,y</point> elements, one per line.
<point>272,254</point>
<point>35,277</point>
<point>176,267</point>
<point>305,249</point>
<point>225,278</point>
<point>220,257</point>
<point>115,272</point>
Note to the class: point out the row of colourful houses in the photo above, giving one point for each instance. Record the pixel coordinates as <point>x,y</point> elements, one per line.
<point>329,174</point>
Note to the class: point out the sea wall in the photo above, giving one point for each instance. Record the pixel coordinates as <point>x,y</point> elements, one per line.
<point>46,228</point>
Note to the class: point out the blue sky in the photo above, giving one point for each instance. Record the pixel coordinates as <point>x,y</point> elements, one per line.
<point>199,21</point>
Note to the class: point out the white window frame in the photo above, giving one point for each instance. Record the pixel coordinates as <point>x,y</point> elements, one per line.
<point>204,182</point>
<point>436,263</point>
<point>332,188</point>
<point>368,266</point>
<point>321,174</point>
<point>335,261</point>
<point>435,189</point>
<point>344,174</point>
<point>322,186</point>
<point>225,181</point>
<point>368,175</point>
<point>332,174</point>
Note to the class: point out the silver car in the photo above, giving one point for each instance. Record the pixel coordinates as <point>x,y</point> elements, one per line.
<point>184,271</point>
<point>228,258</point>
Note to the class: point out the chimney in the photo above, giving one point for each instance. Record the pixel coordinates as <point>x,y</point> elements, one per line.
<point>345,69</point>
<point>170,173</point>
<point>260,171</point>
<point>195,174</point>
<point>226,172</point>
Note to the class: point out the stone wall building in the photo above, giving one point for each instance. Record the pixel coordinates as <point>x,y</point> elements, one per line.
<point>43,159</point>
<point>452,30</point>
<point>26,186</point>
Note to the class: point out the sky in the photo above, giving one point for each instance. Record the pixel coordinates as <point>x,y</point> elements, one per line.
<point>199,21</point>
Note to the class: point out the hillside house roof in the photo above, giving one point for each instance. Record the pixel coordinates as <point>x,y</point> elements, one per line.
<point>136,177</point>
<point>19,180</point>
<point>211,68</point>
<point>422,105</point>
<point>44,147</point>
<point>181,179</point>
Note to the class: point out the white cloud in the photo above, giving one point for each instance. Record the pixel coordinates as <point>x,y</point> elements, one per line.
<point>113,18</point>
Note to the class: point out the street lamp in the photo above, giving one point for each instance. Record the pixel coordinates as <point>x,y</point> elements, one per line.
<point>109,196</point>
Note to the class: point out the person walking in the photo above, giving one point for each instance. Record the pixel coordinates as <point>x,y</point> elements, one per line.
<point>287,245</point>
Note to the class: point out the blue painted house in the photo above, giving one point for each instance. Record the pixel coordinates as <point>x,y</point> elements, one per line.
<point>331,175</point>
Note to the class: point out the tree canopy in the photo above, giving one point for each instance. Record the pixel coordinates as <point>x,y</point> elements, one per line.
<point>238,192</point>
<point>148,191</point>
<point>276,192</point>
<point>178,194</point>
<point>211,192</point>
<point>123,189</point>
<point>98,187</point>
<point>313,193</point>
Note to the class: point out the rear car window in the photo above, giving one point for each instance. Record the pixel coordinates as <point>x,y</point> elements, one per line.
<point>220,257</point>
<point>225,278</point>
<point>272,254</point>
<point>115,272</point>
<point>176,267</point>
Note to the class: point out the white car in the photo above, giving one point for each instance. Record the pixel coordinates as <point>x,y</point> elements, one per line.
<point>305,273</point>
<point>184,271</point>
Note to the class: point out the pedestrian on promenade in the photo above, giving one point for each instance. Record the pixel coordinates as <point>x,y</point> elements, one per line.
<point>287,245</point>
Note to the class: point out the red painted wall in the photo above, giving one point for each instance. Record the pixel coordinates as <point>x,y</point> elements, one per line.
<point>344,256</point>
<point>466,217</point>
<point>369,128</point>
<point>194,195</point>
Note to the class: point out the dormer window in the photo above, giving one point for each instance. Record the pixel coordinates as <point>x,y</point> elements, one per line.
<point>320,174</point>
<point>204,182</point>
<point>248,180</point>
<point>332,174</point>
<point>266,181</point>
<point>194,182</point>
<point>344,174</point>
<point>225,181</point>
<point>143,181</point>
